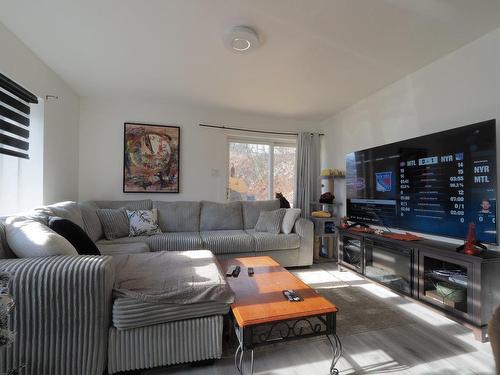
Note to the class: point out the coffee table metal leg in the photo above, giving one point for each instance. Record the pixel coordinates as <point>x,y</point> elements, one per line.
<point>336,352</point>
<point>237,363</point>
<point>251,362</point>
<point>238,359</point>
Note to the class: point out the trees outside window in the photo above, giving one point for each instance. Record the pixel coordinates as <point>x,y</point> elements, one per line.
<point>258,170</point>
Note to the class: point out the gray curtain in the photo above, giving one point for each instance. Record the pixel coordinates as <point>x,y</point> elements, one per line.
<point>307,180</point>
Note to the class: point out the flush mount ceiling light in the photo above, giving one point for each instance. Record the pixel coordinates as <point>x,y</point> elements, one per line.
<point>241,39</point>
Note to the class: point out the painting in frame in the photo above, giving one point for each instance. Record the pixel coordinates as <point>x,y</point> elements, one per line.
<point>151,158</point>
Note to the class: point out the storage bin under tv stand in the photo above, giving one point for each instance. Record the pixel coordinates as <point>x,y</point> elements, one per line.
<point>424,271</point>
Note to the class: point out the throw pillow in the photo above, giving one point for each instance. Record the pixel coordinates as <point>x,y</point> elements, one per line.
<point>143,222</point>
<point>29,238</point>
<point>291,216</point>
<point>270,221</point>
<point>74,234</point>
<point>114,222</point>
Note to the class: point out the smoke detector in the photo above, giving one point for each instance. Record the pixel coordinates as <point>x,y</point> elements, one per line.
<point>241,39</point>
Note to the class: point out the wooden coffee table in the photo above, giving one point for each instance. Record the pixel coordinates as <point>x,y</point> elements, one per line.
<point>262,315</point>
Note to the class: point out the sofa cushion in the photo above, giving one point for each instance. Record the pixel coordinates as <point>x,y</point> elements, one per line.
<point>265,241</point>
<point>220,216</point>
<point>178,216</point>
<point>175,241</point>
<point>123,240</point>
<point>145,204</point>
<point>91,222</point>
<point>251,210</point>
<point>30,238</point>
<point>74,234</point>
<point>114,222</point>
<point>228,241</point>
<point>183,277</point>
<point>131,313</point>
<point>111,248</point>
<point>270,221</point>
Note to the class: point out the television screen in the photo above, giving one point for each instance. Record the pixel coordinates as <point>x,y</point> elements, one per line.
<point>435,184</point>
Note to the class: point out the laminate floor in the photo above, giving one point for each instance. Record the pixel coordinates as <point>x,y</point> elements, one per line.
<point>431,344</point>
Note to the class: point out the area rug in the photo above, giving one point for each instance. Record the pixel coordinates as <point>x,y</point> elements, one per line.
<point>359,311</point>
<point>362,311</point>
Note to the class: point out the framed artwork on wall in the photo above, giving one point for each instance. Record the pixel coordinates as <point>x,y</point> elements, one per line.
<point>151,158</point>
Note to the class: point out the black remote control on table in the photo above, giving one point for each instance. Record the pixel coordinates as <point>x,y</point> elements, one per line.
<point>230,270</point>
<point>250,271</point>
<point>291,296</point>
<point>236,271</point>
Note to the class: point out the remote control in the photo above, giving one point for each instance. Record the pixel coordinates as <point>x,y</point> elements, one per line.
<point>230,270</point>
<point>236,271</point>
<point>291,296</point>
<point>250,271</point>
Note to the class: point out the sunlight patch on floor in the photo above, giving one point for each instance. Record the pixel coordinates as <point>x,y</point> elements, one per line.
<point>425,314</point>
<point>374,362</point>
<point>346,276</point>
<point>316,277</point>
<point>379,291</point>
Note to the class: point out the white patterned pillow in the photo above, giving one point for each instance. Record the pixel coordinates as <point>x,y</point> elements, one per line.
<point>143,222</point>
<point>291,216</point>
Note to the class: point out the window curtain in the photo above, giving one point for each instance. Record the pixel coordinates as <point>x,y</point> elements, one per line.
<point>307,183</point>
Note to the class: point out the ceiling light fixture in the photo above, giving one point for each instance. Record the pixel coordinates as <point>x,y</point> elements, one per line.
<point>241,39</point>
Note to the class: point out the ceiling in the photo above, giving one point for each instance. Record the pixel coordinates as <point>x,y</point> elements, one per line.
<point>317,56</point>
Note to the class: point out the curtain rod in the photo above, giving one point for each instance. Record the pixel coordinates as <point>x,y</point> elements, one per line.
<point>249,130</point>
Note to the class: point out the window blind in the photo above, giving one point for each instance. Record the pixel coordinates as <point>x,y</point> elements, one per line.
<point>14,118</point>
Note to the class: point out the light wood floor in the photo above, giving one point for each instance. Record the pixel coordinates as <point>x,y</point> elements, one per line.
<point>431,345</point>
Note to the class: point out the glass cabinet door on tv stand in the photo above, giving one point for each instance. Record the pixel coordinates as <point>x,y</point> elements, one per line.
<point>446,283</point>
<point>351,252</point>
<point>390,265</point>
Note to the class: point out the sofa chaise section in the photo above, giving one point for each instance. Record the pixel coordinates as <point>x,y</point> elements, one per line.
<point>171,313</point>
<point>180,341</point>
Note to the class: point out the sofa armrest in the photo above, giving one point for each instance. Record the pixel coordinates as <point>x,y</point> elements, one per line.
<point>61,315</point>
<point>305,229</point>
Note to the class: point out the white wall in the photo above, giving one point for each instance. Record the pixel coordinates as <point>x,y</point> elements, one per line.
<point>459,89</point>
<point>60,168</point>
<point>203,168</point>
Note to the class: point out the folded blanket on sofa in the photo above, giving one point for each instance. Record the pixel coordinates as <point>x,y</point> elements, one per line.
<point>180,277</point>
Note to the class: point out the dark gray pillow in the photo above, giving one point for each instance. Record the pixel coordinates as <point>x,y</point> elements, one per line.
<point>115,223</point>
<point>270,221</point>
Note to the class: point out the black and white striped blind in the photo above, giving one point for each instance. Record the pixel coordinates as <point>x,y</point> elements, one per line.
<point>14,118</point>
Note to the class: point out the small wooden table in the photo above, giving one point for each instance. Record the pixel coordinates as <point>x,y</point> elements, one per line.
<point>262,315</point>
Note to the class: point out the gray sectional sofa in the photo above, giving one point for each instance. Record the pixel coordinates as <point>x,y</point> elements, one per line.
<point>226,229</point>
<point>69,320</point>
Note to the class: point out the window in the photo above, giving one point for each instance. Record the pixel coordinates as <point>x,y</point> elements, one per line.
<point>258,170</point>
<point>21,148</point>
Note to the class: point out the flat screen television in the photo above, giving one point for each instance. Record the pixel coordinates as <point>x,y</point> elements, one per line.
<point>435,184</point>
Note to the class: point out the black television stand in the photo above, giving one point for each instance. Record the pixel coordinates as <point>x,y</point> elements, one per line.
<point>463,287</point>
